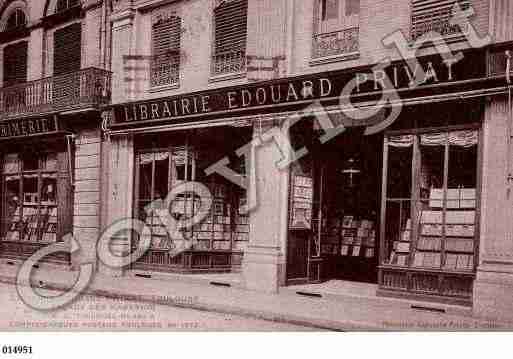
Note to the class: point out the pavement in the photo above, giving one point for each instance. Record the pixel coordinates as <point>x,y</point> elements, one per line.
<point>93,313</point>
<point>358,312</point>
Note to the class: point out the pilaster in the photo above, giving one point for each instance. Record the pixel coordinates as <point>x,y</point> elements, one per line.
<point>264,259</point>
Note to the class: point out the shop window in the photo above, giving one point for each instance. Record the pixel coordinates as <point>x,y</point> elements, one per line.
<point>222,234</point>
<point>429,15</point>
<point>29,198</point>
<point>166,42</point>
<point>336,28</point>
<point>433,225</point>
<point>230,37</point>
<point>16,20</point>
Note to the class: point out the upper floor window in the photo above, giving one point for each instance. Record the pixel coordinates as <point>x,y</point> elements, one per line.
<point>63,5</point>
<point>166,41</point>
<point>230,37</point>
<point>336,27</point>
<point>435,16</point>
<point>15,64</point>
<point>15,20</point>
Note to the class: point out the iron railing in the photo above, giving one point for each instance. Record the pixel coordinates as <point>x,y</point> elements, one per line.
<point>336,43</point>
<point>229,62</point>
<point>82,89</point>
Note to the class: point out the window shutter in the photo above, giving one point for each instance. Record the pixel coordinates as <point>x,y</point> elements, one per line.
<point>231,25</point>
<point>166,38</point>
<point>15,63</point>
<point>434,15</point>
<point>67,49</point>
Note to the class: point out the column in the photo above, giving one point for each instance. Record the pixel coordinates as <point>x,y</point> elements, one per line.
<point>493,287</point>
<point>119,196</point>
<point>264,260</point>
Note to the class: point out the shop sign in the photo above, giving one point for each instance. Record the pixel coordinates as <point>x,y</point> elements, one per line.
<point>301,90</point>
<point>24,127</point>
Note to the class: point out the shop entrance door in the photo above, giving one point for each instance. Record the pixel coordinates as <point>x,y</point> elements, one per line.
<point>336,195</point>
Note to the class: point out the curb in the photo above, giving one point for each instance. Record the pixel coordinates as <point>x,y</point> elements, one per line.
<point>270,316</point>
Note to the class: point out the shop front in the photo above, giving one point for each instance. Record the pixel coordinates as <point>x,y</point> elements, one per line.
<point>36,192</point>
<point>391,203</point>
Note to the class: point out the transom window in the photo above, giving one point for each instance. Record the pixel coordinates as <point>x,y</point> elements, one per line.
<point>63,5</point>
<point>15,20</point>
<point>230,37</point>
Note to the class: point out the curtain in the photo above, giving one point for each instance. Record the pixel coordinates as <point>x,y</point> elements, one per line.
<point>146,158</point>
<point>464,138</point>
<point>400,141</point>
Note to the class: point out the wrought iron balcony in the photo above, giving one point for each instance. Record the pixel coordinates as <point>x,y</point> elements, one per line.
<point>87,88</point>
<point>229,62</point>
<point>336,43</point>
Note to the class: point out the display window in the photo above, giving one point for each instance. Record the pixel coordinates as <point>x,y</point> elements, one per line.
<point>431,211</point>
<point>29,201</point>
<point>216,242</point>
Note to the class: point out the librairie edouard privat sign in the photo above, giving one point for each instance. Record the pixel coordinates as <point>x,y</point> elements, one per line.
<point>299,90</point>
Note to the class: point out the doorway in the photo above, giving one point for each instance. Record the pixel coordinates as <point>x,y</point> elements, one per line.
<point>340,237</point>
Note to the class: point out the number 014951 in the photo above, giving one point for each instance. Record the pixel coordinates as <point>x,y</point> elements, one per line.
<point>16,349</point>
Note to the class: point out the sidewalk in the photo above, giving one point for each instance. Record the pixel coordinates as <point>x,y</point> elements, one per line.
<point>340,313</point>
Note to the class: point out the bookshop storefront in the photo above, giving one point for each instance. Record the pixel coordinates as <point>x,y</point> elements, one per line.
<point>400,208</point>
<point>163,161</point>
<point>36,195</point>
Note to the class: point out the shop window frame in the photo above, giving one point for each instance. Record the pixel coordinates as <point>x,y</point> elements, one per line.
<point>198,258</point>
<point>408,272</point>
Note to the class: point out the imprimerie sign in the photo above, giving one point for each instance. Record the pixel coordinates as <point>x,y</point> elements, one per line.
<point>24,127</point>
<point>282,94</point>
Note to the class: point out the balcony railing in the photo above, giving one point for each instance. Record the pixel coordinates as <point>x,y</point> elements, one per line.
<point>229,62</point>
<point>88,88</point>
<point>336,43</point>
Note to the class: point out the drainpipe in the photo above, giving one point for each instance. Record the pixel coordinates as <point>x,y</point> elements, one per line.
<point>510,124</point>
<point>69,140</point>
<point>103,36</point>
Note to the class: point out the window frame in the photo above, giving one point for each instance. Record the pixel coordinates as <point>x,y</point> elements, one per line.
<point>166,17</point>
<point>415,197</point>
<point>236,57</point>
<point>337,40</point>
<point>22,173</point>
<point>414,35</point>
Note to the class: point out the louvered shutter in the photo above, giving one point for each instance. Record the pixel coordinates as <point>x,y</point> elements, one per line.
<point>67,49</point>
<point>434,15</point>
<point>231,26</point>
<point>166,40</point>
<point>67,58</point>
<point>15,63</point>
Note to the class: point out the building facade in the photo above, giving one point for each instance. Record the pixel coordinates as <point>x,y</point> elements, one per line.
<point>339,140</point>
<point>55,77</point>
